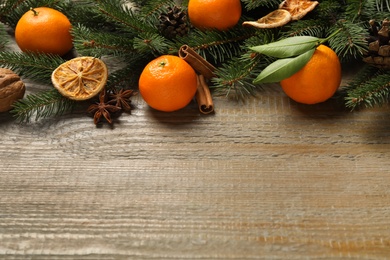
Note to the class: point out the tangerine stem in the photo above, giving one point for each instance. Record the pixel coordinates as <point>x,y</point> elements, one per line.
<point>34,11</point>
<point>330,36</point>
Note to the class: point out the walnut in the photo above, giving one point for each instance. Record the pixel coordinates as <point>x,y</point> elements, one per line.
<point>12,88</point>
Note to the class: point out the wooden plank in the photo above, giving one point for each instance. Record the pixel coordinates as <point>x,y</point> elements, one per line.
<point>268,178</point>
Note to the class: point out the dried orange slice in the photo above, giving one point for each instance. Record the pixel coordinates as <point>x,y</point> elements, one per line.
<point>298,8</point>
<point>80,78</point>
<point>274,19</point>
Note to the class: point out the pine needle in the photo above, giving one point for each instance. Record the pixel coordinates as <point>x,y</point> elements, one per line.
<point>383,5</point>
<point>4,38</point>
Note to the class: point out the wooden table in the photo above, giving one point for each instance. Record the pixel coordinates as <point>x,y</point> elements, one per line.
<point>267,179</point>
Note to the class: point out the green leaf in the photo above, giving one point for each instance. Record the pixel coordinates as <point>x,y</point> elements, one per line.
<point>288,47</point>
<point>283,68</point>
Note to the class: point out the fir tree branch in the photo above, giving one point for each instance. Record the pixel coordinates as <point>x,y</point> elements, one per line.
<point>38,67</point>
<point>382,5</point>
<point>86,13</point>
<point>234,79</point>
<point>152,9</point>
<point>306,27</point>
<point>220,46</point>
<point>151,43</point>
<point>95,43</point>
<point>369,92</point>
<point>41,105</point>
<point>4,38</point>
<point>328,12</point>
<point>123,16</point>
<point>359,10</point>
<point>350,42</point>
<point>250,4</point>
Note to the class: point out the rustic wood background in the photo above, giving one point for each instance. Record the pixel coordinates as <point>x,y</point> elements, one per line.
<point>269,179</point>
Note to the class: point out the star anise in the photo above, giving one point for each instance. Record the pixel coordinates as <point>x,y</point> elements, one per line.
<point>121,98</point>
<point>102,108</point>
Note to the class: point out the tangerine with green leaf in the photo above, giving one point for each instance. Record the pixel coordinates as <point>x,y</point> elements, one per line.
<point>44,30</point>
<point>318,80</point>
<point>168,83</point>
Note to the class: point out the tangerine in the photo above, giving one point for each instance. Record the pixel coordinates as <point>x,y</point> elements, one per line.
<point>214,14</point>
<point>168,83</point>
<point>44,30</point>
<point>318,80</point>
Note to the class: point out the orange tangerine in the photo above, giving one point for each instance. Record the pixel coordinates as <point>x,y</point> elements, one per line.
<point>168,83</point>
<point>214,14</point>
<point>318,80</point>
<point>44,30</point>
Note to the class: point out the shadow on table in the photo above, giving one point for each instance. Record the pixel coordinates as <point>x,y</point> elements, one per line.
<point>6,117</point>
<point>186,116</point>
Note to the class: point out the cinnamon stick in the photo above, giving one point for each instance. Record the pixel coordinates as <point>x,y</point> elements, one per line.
<point>203,96</point>
<point>205,70</point>
<point>197,62</point>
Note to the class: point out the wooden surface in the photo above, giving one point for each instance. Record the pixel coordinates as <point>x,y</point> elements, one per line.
<point>268,179</point>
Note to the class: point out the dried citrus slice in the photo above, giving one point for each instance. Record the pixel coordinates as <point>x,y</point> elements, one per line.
<point>80,78</point>
<point>298,8</point>
<point>274,19</point>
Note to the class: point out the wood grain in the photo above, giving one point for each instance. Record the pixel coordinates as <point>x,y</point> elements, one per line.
<point>265,179</point>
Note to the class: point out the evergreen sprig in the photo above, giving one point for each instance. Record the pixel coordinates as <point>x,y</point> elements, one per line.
<point>235,77</point>
<point>217,45</point>
<point>306,27</point>
<point>96,43</point>
<point>250,4</point>
<point>42,105</point>
<point>151,10</point>
<point>37,67</point>
<point>123,16</point>
<point>235,80</point>
<point>4,39</point>
<point>151,43</point>
<point>371,88</point>
<point>357,10</point>
<point>350,43</point>
<point>382,5</point>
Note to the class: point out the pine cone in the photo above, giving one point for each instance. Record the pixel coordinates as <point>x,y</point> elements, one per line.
<point>174,23</point>
<point>378,53</point>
